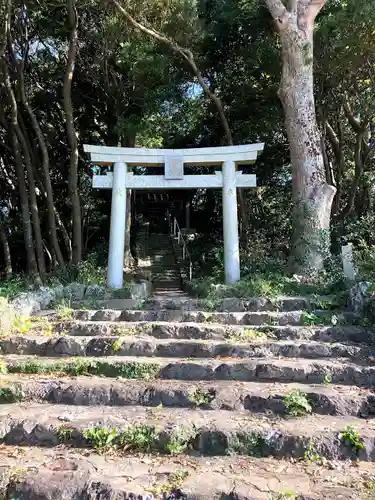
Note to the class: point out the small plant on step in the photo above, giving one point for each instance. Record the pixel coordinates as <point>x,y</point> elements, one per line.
<point>64,311</point>
<point>101,438</point>
<point>245,335</point>
<point>296,403</point>
<point>350,438</point>
<point>173,485</point>
<point>22,324</point>
<point>123,330</point>
<point>116,346</point>
<point>64,433</point>
<point>311,319</point>
<point>10,394</point>
<point>138,437</point>
<point>310,454</point>
<point>181,439</point>
<point>200,397</point>
<point>3,367</point>
<point>327,379</point>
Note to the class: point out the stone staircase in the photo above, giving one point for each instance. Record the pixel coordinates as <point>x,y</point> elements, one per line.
<point>174,401</point>
<point>164,271</point>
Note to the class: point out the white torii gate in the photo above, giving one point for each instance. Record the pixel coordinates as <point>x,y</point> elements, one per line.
<point>173,160</point>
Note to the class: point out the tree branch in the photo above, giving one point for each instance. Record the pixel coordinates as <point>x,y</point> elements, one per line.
<point>187,55</point>
<point>333,139</point>
<point>276,8</point>
<point>313,9</point>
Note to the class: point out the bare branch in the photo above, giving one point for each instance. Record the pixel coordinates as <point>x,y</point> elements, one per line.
<point>276,8</point>
<point>333,139</point>
<point>356,124</point>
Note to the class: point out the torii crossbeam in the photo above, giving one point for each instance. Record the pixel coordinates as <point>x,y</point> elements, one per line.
<point>173,160</point>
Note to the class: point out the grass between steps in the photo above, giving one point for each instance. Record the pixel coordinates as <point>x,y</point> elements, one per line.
<point>132,370</point>
<point>210,441</point>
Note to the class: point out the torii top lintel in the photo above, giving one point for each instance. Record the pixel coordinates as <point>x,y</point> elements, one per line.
<point>105,155</point>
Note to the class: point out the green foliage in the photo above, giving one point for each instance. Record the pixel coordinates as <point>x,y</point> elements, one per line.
<point>244,335</point>
<point>80,367</point>
<point>64,433</point>
<point>200,397</point>
<point>3,366</point>
<point>311,455</point>
<point>181,439</point>
<point>122,293</point>
<point>296,403</point>
<point>311,319</point>
<point>175,482</point>
<point>9,394</point>
<point>22,324</point>
<point>247,443</point>
<point>7,317</point>
<point>350,438</point>
<point>138,437</point>
<point>116,346</point>
<point>101,438</point>
<point>14,286</point>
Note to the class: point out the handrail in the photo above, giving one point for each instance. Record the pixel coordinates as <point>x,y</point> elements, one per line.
<point>176,232</point>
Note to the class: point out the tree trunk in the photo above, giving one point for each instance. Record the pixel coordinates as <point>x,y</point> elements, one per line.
<point>6,252</point>
<point>24,202</point>
<point>312,196</point>
<point>71,133</point>
<point>33,204</point>
<point>52,231</point>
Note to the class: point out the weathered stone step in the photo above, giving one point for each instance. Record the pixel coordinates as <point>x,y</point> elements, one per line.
<point>203,331</point>
<point>235,318</point>
<point>49,473</point>
<point>339,371</point>
<point>256,397</point>
<point>171,430</point>
<point>129,345</point>
<point>254,304</point>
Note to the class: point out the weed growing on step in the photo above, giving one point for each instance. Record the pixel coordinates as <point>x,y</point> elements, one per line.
<point>64,433</point>
<point>310,454</point>
<point>116,346</point>
<point>122,293</point>
<point>181,439</point>
<point>327,379</point>
<point>64,311</point>
<point>3,367</point>
<point>211,304</point>
<point>21,324</point>
<point>311,319</point>
<point>10,394</point>
<point>296,403</point>
<point>350,438</point>
<point>247,443</point>
<point>200,397</point>
<point>285,495</point>
<point>175,482</point>
<point>101,438</point>
<point>122,330</point>
<point>138,437</point>
<point>81,367</point>
<point>245,335</point>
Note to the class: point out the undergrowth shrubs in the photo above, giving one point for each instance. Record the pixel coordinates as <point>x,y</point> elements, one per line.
<point>296,403</point>
<point>181,439</point>
<point>350,438</point>
<point>200,397</point>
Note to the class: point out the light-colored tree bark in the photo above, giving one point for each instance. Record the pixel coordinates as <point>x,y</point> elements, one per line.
<point>71,134</point>
<point>312,195</point>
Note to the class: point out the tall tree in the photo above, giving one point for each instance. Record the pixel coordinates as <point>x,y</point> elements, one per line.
<point>71,133</point>
<point>312,195</point>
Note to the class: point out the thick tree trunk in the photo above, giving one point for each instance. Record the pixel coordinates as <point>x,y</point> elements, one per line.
<point>312,196</point>
<point>52,231</point>
<point>71,133</point>
<point>6,253</point>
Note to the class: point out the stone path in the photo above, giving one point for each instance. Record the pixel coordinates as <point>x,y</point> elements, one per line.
<point>173,401</point>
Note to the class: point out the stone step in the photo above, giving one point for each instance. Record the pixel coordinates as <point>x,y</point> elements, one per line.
<point>48,473</point>
<point>293,318</point>
<point>339,371</point>
<point>256,397</point>
<point>129,345</point>
<point>190,330</point>
<point>175,431</point>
